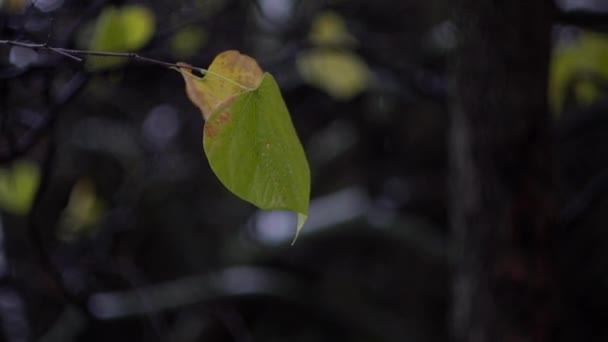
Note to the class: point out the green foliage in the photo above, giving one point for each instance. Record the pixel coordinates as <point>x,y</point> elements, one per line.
<point>331,65</point>
<point>124,29</point>
<point>82,212</point>
<point>341,74</point>
<point>18,185</point>
<point>328,28</point>
<point>188,41</point>
<point>576,67</point>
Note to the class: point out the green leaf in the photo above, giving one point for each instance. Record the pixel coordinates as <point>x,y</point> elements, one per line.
<point>124,29</point>
<point>18,185</point>
<point>249,139</point>
<point>254,150</point>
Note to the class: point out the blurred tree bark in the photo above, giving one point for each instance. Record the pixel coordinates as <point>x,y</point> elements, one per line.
<point>503,205</point>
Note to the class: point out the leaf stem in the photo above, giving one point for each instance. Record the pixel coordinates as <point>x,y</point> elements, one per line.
<point>73,54</point>
<point>209,72</point>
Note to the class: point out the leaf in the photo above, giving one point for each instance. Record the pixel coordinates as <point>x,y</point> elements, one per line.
<point>124,29</point>
<point>255,152</point>
<point>18,185</point>
<point>340,73</point>
<point>230,74</point>
<point>249,139</point>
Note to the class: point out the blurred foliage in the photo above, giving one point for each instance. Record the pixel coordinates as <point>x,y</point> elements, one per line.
<point>342,74</point>
<point>579,70</point>
<point>82,212</point>
<point>329,28</point>
<point>331,65</point>
<point>125,29</point>
<point>18,185</point>
<point>188,41</point>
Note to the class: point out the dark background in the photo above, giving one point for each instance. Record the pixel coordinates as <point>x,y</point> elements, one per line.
<point>173,256</point>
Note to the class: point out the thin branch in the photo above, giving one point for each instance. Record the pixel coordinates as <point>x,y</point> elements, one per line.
<point>61,52</point>
<point>35,134</point>
<point>72,53</point>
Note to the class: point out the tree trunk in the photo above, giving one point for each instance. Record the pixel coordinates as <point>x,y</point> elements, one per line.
<point>503,204</point>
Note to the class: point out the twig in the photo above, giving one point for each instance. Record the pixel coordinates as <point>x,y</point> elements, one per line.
<point>72,53</point>
<point>27,141</point>
<point>61,52</point>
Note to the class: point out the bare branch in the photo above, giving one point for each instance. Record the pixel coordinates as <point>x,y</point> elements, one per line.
<point>72,53</point>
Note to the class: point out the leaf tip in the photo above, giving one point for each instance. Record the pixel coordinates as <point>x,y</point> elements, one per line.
<point>301,220</point>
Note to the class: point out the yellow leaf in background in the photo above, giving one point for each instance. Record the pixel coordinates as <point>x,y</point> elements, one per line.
<point>138,23</point>
<point>125,29</point>
<point>229,72</point>
<point>18,185</point>
<point>328,28</point>
<point>575,64</point>
<point>342,74</point>
<point>188,41</point>
<point>83,211</point>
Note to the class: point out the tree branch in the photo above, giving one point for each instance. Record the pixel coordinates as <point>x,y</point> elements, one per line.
<point>72,53</point>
